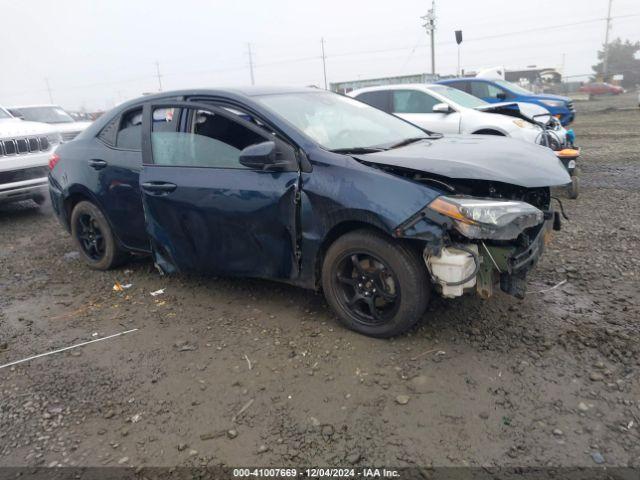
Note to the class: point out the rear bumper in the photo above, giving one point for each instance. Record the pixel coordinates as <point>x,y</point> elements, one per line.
<point>57,203</point>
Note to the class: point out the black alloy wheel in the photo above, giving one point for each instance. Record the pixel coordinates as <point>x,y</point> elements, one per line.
<point>368,288</point>
<point>377,285</point>
<point>90,236</point>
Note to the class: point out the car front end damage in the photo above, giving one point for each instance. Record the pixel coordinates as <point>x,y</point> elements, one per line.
<point>489,242</point>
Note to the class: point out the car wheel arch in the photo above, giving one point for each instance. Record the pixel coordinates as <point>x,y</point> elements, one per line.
<point>75,195</point>
<point>79,194</point>
<point>337,231</point>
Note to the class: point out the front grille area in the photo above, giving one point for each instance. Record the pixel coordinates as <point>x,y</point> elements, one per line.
<point>23,146</point>
<point>68,136</point>
<point>23,174</point>
<point>570,106</point>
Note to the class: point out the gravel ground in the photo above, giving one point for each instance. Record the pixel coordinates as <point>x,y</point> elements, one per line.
<point>246,372</point>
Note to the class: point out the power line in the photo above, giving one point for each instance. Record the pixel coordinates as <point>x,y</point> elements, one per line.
<point>309,58</point>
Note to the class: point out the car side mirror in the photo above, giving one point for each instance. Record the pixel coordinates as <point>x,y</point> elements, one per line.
<point>260,156</point>
<point>442,108</point>
<point>501,96</point>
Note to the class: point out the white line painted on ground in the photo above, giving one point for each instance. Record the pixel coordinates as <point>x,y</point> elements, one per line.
<point>67,348</point>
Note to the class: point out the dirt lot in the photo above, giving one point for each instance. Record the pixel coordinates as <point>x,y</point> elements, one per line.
<point>243,372</point>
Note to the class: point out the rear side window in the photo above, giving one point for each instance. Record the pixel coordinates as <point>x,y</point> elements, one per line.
<point>108,133</point>
<point>209,140</point>
<point>378,99</point>
<point>129,136</point>
<point>412,101</point>
<point>464,86</point>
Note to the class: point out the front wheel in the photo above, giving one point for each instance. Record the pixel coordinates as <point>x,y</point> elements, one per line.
<point>92,235</point>
<point>376,286</point>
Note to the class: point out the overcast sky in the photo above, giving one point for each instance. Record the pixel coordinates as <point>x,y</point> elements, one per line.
<point>97,53</point>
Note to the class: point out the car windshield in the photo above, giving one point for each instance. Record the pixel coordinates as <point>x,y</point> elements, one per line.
<point>4,113</point>
<point>514,87</point>
<point>44,114</point>
<point>338,122</point>
<point>458,96</point>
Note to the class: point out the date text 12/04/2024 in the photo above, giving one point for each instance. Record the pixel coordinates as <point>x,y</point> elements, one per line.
<point>316,472</point>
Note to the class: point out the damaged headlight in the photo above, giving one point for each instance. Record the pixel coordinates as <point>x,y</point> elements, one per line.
<point>488,219</point>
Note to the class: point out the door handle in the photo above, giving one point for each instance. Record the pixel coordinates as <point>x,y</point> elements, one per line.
<point>159,187</point>
<point>97,164</point>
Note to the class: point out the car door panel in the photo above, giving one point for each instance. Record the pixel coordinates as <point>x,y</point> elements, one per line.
<point>416,106</point>
<point>434,122</point>
<point>229,221</point>
<point>116,173</point>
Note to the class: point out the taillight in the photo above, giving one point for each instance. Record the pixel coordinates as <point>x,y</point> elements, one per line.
<point>53,161</point>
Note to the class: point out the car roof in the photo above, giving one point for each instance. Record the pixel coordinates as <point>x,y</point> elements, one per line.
<point>395,86</point>
<point>43,105</point>
<point>231,92</point>
<point>468,79</point>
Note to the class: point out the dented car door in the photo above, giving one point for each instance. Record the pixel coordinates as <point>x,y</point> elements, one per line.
<point>205,211</point>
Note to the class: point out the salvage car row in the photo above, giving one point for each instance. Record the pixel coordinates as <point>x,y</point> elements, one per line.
<point>314,189</point>
<point>28,137</point>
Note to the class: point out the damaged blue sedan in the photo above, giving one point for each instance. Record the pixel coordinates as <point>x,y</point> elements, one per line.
<point>311,188</point>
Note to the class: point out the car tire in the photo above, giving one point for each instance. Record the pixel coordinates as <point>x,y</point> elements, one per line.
<point>573,188</point>
<point>94,238</point>
<point>376,286</point>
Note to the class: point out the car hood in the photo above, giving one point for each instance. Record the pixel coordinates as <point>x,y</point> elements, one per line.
<point>528,111</point>
<point>550,96</point>
<point>478,157</point>
<point>71,126</point>
<point>14,127</point>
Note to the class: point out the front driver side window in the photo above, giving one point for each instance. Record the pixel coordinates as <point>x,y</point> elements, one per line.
<point>412,101</point>
<point>494,91</point>
<point>210,140</point>
<point>480,89</point>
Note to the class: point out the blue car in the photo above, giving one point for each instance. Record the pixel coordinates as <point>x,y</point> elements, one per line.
<point>310,188</point>
<point>494,91</point>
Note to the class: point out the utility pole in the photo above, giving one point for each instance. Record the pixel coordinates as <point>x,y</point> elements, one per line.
<point>324,63</point>
<point>159,76</point>
<point>46,81</point>
<point>253,80</point>
<point>605,60</point>
<point>430,27</point>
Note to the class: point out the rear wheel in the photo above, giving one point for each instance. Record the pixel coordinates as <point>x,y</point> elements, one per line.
<point>92,235</point>
<point>376,286</point>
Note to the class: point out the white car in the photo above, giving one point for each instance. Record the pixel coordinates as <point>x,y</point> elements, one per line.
<point>25,150</point>
<point>447,110</point>
<point>52,114</point>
